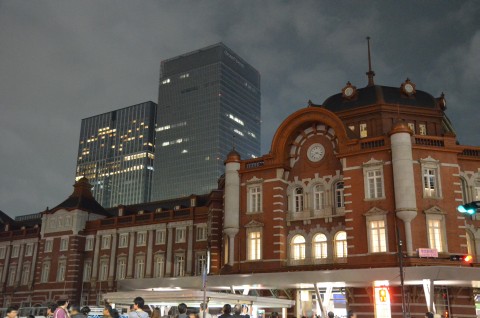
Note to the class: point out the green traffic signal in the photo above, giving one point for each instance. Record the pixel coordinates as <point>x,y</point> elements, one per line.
<point>469,208</point>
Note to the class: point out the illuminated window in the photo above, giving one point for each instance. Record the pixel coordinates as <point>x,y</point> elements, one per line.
<point>201,232</point>
<point>430,178</point>
<point>180,235</point>
<point>435,234</point>
<point>411,126</point>
<point>254,244</point>
<point>339,197</point>
<point>179,265</point>
<point>340,243</point>
<point>298,247</point>
<point>378,238</point>
<point>48,246</point>
<point>476,190</point>
<point>103,275</point>
<point>363,130</point>
<point>298,199</point>
<point>254,198</point>
<point>106,242</point>
<point>200,263</point>
<point>45,272</point>
<point>121,268</point>
<point>64,244</point>
<point>320,246</point>
<point>139,267</point>
<point>374,184</point>
<point>61,269</point>
<point>422,129</point>
<point>141,238</point>
<point>318,197</point>
<point>159,266</point>
<point>160,236</point>
<point>123,240</point>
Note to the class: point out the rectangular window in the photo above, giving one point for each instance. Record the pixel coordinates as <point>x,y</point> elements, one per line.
<point>200,263</point>
<point>412,127</point>
<point>62,268</point>
<point>430,182</point>
<point>29,249</point>
<point>476,190</point>
<point>160,236</point>
<point>15,251</point>
<point>89,244</point>
<point>179,265</point>
<point>159,267</point>
<point>121,268</point>
<point>363,130</point>
<point>422,129</point>
<point>45,272</point>
<point>103,270</point>
<point>435,234</point>
<point>123,240</point>
<point>254,245</point>
<point>201,232</point>
<point>339,198</point>
<point>106,242</point>
<point>25,274</point>
<point>374,184</point>
<point>141,238</point>
<point>64,244</point>
<point>255,199</point>
<point>378,239</point>
<point>87,271</point>
<point>3,252</point>
<point>180,235</point>
<point>139,267</point>
<point>11,275</point>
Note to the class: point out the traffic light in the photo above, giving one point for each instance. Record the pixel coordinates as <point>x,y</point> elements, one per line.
<point>462,258</point>
<point>469,208</point>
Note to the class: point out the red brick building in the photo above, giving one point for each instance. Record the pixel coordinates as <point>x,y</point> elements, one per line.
<point>351,191</point>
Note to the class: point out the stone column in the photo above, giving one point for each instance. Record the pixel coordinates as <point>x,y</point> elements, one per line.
<point>113,261</point>
<point>232,202</point>
<point>403,177</point>
<point>148,265</point>
<point>19,266</point>
<point>34,265</point>
<point>96,253</point>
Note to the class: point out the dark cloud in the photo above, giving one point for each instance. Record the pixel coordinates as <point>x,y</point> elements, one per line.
<point>61,61</point>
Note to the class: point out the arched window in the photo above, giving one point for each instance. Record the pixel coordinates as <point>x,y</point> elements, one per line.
<point>298,199</point>
<point>340,244</point>
<point>319,246</point>
<point>465,192</point>
<point>318,197</point>
<point>298,247</point>
<point>339,199</point>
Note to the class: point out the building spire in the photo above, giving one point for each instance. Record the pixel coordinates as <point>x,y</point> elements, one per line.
<point>370,72</point>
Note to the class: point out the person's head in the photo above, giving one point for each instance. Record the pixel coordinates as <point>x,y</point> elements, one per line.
<point>182,308</point>
<point>351,314</point>
<point>331,314</point>
<point>12,312</point>
<point>51,309</point>
<point>429,314</point>
<point>237,310</point>
<point>227,309</point>
<point>85,310</point>
<point>62,303</point>
<point>108,311</point>
<point>245,309</point>
<point>192,315</point>
<point>203,306</point>
<point>138,303</point>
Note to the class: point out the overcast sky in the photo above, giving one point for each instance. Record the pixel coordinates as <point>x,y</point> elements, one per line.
<point>61,61</point>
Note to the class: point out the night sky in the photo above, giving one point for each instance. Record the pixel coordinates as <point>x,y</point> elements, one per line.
<point>61,61</point>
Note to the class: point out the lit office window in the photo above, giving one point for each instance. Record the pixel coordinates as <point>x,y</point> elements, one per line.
<point>320,246</point>
<point>340,244</point>
<point>298,247</point>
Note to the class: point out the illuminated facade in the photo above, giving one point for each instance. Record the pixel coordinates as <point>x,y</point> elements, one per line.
<point>208,100</point>
<point>116,152</point>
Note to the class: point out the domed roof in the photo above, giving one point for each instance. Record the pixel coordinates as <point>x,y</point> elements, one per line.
<point>233,156</point>
<point>376,94</point>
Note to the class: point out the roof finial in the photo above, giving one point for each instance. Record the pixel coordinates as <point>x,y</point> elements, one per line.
<point>370,73</point>
<point>233,142</point>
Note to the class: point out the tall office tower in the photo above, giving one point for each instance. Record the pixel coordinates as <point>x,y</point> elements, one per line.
<point>116,154</point>
<point>205,98</point>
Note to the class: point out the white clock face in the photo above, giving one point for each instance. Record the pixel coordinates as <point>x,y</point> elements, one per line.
<point>316,152</point>
<point>408,88</point>
<point>348,91</point>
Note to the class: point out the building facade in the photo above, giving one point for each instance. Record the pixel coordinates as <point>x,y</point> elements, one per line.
<point>116,152</point>
<point>208,100</point>
<point>353,208</point>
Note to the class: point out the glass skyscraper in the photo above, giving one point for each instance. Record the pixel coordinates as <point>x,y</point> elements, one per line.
<point>209,100</point>
<point>116,152</point>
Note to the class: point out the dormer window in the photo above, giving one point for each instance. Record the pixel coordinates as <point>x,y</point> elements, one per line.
<point>363,130</point>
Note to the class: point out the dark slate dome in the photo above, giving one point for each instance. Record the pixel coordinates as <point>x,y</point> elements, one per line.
<point>376,94</point>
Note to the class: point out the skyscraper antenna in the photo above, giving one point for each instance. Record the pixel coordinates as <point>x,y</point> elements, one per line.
<point>370,72</point>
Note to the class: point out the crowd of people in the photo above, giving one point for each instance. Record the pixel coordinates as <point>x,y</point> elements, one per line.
<point>63,309</point>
